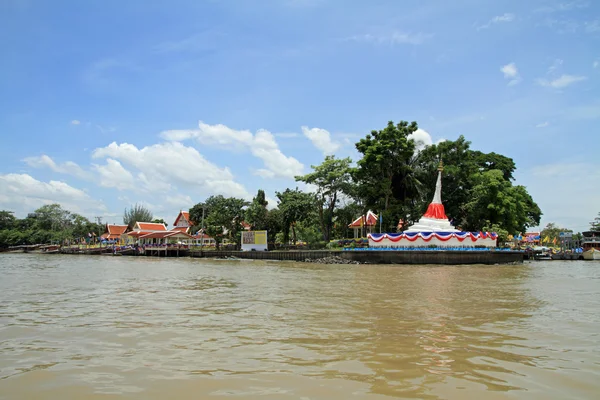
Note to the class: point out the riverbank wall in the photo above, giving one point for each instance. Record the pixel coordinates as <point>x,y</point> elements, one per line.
<point>444,257</point>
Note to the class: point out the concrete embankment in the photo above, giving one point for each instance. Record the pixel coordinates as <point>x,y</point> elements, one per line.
<point>376,257</point>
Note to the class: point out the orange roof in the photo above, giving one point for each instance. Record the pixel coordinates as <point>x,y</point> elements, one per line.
<point>246,226</point>
<point>183,229</point>
<point>151,226</point>
<point>116,229</point>
<point>369,220</point>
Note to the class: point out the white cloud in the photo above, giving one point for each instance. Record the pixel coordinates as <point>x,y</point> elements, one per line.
<point>262,145</point>
<point>321,139</point>
<point>422,138</point>
<point>392,38</point>
<point>75,122</point>
<point>498,19</point>
<point>69,167</point>
<point>23,193</point>
<point>596,64</point>
<point>511,72</point>
<point>542,124</point>
<point>114,175</point>
<point>562,81</point>
<point>161,167</point>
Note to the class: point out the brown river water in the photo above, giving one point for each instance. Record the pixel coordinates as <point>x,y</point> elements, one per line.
<point>77,327</point>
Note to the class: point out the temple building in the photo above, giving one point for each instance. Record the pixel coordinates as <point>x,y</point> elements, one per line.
<point>433,229</point>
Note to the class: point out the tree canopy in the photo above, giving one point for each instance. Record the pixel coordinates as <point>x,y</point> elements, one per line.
<point>137,213</point>
<point>332,179</point>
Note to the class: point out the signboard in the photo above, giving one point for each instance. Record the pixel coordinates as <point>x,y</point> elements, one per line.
<point>254,240</point>
<point>566,235</point>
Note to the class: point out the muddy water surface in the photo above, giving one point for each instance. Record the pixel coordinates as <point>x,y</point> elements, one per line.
<point>76,327</point>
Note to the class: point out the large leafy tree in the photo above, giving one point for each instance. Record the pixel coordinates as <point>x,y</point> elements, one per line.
<point>332,179</point>
<point>257,213</point>
<point>7,219</point>
<point>295,206</point>
<point>493,200</point>
<point>223,217</point>
<point>385,161</point>
<point>137,213</point>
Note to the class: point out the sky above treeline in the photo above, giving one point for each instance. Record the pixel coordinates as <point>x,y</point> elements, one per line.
<point>107,103</point>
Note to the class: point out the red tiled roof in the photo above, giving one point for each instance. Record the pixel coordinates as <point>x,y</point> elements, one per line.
<point>116,229</point>
<point>183,229</point>
<point>369,220</point>
<point>151,226</point>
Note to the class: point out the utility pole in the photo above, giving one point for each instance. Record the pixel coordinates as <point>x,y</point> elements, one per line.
<point>202,230</point>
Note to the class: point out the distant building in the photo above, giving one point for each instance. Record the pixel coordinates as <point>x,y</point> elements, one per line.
<point>115,232</point>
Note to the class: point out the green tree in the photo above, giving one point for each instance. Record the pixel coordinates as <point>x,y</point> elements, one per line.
<point>551,232</point>
<point>257,213</point>
<point>51,217</point>
<point>385,163</point>
<point>595,224</point>
<point>224,218</point>
<point>159,221</point>
<point>295,206</point>
<point>7,219</point>
<point>332,179</point>
<point>494,201</point>
<point>274,224</point>
<point>136,213</point>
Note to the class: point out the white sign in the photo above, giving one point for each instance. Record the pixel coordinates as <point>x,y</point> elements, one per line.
<point>254,240</point>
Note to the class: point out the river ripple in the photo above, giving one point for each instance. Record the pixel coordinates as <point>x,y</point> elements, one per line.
<point>74,327</point>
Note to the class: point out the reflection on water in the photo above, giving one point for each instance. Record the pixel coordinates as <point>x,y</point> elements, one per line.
<point>113,328</point>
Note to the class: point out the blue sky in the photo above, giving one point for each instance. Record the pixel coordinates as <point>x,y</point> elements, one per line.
<point>108,103</point>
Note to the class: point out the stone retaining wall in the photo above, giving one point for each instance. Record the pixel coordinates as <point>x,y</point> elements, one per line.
<point>378,257</point>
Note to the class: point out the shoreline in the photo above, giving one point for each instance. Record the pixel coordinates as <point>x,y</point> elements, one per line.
<point>439,257</point>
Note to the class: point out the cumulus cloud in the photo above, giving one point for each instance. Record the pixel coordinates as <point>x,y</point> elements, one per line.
<point>511,72</point>
<point>423,139</point>
<point>498,19</point>
<point>562,81</point>
<point>23,193</point>
<point>161,167</point>
<point>69,167</point>
<point>321,139</point>
<point>262,145</point>
<point>114,175</point>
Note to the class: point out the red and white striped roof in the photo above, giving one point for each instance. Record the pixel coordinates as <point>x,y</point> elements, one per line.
<point>370,219</point>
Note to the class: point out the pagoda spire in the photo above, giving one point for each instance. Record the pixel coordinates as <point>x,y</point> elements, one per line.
<point>436,208</point>
<point>437,197</point>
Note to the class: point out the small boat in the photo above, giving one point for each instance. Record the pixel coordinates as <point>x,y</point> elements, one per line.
<point>592,254</point>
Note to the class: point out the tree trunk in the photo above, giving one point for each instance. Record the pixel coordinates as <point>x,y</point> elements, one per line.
<point>294,233</point>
